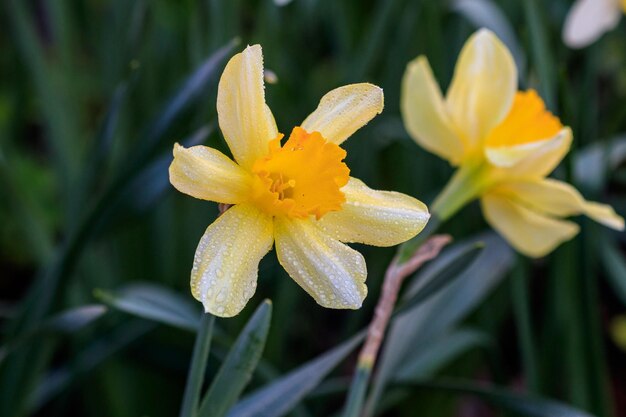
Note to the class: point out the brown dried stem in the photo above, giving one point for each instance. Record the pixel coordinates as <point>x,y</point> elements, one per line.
<point>394,277</point>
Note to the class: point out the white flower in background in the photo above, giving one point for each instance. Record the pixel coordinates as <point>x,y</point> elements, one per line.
<point>587,20</point>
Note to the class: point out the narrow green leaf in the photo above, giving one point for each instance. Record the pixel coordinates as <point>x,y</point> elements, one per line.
<point>154,302</point>
<point>449,272</point>
<point>74,319</point>
<point>430,357</point>
<point>153,181</point>
<point>443,310</point>
<point>542,56</point>
<point>524,404</point>
<point>57,380</point>
<point>615,266</point>
<point>282,395</point>
<point>237,369</point>
<point>104,137</point>
<point>66,322</point>
<point>191,90</point>
<point>197,368</point>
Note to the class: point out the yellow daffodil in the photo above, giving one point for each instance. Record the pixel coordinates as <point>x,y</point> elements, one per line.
<point>297,195</point>
<point>587,20</point>
<point>505,143</point>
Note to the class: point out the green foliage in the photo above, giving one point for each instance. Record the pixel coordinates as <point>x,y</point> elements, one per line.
<point>93,95</point>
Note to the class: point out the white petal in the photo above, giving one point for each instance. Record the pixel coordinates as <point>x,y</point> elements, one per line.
<point>587,20</point>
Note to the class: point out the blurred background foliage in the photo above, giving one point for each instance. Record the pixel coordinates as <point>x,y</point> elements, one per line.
<point>96,246</point>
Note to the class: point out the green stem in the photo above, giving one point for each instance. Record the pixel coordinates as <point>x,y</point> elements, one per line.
<point>466,184</point>
<point>521,309</point>
<point>195,377</point>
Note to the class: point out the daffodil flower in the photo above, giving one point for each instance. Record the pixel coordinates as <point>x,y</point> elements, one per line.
<point>587,20</point>
<point>297,195</point>
<point>504,142</point>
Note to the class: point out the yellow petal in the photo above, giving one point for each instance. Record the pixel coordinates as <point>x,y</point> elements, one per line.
<point>208,174</point>
<point>424,113</point>
<point>345,110</point>
<point>483,86</point>
<point>331,272</point>
<point>245,120</point>
<point>377,218</point>
<point>533,160</point>
<point>528,231</point>
<point>557,198</point>
<point>604,214</point>
<point>587,20</point>
<point>225,266</point>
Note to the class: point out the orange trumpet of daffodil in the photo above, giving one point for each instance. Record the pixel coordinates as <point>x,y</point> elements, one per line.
<point>297,195</point>
<point>504,143</point>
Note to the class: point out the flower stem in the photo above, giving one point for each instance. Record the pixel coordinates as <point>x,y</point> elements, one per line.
<point>396,273</point>
<point>521,308</point>
<point>466,184</point>
<point>195,377</point>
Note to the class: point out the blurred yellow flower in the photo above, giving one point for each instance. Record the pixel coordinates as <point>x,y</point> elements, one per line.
<point>587,20</point>
<point>618,331</point>
<point>505,143</point>
<point>298,195</point>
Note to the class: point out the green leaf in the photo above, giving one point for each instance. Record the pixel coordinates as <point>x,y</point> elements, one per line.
<point>442,311</point>
<point>237,369</point>
<point>74,319</point>
<point>542,56</point>
<point>449,272</point>
<point>66,322</point>
<point>57,380</point>
<point>430,357</point>
<point>615,266</point>
<point>25,365</point>
<point>282,395</point>
<point>197,368</point>
<point>154,302</point>
<point>191,90</point>
<point>153,181</point>
<point>519,403</point>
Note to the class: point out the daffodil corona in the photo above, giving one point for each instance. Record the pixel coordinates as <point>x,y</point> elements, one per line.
<point>297,195</point>
<point>504,142</point>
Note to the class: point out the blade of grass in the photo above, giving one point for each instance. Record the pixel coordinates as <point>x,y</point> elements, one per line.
<point>542,58</point>
<point>523,320</point>
<point>153,302</point>
<point>237,369</point>
<point>282,395</point>
<point>519,403</point>
<point>197,367</point>
<point>95,354</point>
